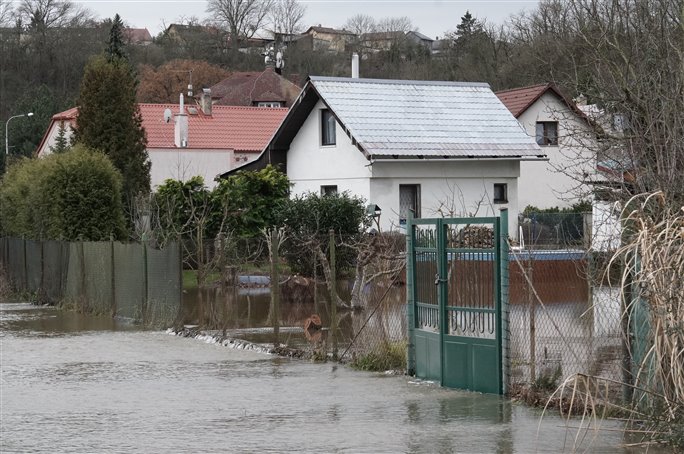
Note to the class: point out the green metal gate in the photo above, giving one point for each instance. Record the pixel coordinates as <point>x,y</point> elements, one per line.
<point>457,275</point>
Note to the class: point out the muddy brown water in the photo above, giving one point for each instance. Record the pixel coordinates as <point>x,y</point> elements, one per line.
<point>81,384</point>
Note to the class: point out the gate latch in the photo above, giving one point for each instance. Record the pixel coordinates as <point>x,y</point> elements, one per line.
<point>438,279</point>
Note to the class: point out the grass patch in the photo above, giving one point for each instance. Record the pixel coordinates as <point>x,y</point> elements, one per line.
<point>386,356</point>
<point>190,278</point>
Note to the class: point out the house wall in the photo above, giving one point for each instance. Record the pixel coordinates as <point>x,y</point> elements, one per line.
<point>457,188</point>
<point>311,165</point>
<point>558,181</point>
<point>51,140</point>
<point>182,164</point>
<point>447,189</point>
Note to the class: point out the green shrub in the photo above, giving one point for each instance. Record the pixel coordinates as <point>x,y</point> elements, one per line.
<point>64,196</point>
<point>308,220</point>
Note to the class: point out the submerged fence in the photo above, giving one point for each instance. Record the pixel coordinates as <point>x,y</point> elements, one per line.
<point>131,280</point>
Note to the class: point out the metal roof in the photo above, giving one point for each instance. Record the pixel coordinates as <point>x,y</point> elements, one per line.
<point>425,119</point>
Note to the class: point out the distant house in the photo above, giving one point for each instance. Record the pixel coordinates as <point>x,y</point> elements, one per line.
<point>255,88</point>
<point>420,39</point>
<point>137,36</point>
<point>377,41</point>
<point>206,140</point>
<point>567,137</point>
<point>427,148</point>
<point>319,38</point>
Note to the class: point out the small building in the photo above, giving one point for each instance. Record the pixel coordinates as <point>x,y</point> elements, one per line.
<point>255,88</point>
<point>567,137</point>
<point>137,36</point>
<point>318,38</point>
<point>423,147</point>
<point>213,140</point>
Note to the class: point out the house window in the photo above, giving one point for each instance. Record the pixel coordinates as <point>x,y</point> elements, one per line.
<point>269,104</point>
<point>547,133</point>
<point>409,202</point>
<point>500,193</point>
<point>328,124</point>
<point>329,190</point>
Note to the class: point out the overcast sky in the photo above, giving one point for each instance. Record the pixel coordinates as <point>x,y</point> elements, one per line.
<point>432,17</point>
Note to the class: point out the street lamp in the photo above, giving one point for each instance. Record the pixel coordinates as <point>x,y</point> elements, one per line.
<point>30,114</point>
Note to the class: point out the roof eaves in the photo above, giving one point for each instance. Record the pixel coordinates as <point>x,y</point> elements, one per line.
<point>397,81</point>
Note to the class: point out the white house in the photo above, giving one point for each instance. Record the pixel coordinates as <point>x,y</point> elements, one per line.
<point>436,148</point>
<point>567,137</point>
<point>203,140</point>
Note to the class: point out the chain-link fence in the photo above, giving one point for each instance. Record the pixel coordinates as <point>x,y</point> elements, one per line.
<point>132,280</point>
<point>564,315</point>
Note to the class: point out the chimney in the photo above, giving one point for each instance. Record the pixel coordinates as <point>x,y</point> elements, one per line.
<point>181,130</point>
<point>355,66</point>
<point>205,101</point>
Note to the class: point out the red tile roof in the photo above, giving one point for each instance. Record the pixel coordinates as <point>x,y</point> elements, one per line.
<point>229,127</point>
<point>517,100</point>
<point>137,35</point>
<point>243,129</point>
<point>245,88</point>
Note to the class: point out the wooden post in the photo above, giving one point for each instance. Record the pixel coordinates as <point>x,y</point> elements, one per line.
<point>333,294</point>
<point>145,294</point>
<point>111,243</point>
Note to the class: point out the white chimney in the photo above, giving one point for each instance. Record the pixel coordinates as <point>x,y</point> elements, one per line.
<point>205,101</point>
<point>181,130</point>
<point>355,65</point>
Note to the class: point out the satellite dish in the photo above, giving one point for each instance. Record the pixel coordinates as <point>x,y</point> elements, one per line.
<point>167,115</point>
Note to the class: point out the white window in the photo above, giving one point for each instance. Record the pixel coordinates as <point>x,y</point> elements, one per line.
<point>328,125</point>
<point>409,202</point>
<point>269,104</point>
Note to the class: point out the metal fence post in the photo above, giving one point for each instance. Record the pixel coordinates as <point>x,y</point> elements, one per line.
<point>504,331</point>
<point>410,300</point>
<point>111,243</point>
<point>275,287</point>
<point>143,306</point>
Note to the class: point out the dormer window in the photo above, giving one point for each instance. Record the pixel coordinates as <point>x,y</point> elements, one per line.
<point>328,124</point>
<point>547,133</point>
<point>269,104</point>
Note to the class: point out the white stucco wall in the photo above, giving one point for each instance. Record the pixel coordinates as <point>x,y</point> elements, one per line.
<point>183,164</point>
<point>605,226</point>
<point>558,181</point>
<point>311,165</point>
<point>447,188</point>
<point>51,140</point>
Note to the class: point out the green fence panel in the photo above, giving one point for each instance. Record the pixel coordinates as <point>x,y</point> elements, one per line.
<point>55,266</point>
<point>129,280</point>
<point>17,263</point>
<point>163,284</point>
<point>34,265</point>
<point>75,289</point>
<point>98,276</point>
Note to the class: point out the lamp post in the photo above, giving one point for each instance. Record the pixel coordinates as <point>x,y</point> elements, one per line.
<point>30,114</point>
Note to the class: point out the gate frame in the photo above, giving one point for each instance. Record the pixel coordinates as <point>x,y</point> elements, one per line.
<point>500,253</point>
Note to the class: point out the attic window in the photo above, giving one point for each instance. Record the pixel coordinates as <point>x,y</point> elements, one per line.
<point>269,104</point>
<point>328,124</point>
<point>547,133</point>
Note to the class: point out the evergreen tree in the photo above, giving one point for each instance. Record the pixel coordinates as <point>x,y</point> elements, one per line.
<point>109,120</point>
<point>115,45</point>
<point>61,142</point>
<point>468,26</point>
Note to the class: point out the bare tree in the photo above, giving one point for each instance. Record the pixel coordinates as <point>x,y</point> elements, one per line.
<point>360,24</point>
<point>395,24</point>
<point>6,13</point>
<point>242,18</point>
<point>44,14</point>
<point>286,17</point>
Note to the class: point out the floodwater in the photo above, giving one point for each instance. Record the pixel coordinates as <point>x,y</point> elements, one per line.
<point>80,384</point>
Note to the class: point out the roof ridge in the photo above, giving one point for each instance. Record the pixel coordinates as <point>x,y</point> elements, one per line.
<point>398,81</point>
<point>527,87</point>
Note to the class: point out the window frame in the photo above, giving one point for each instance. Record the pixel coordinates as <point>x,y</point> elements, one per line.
<point>504,188</point>
<point>417,204</point>
<point>326,116</point>
<point>329,190</point>
<point>544,140</point>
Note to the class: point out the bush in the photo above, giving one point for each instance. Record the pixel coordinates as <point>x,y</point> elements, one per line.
<point>386,356</point>
<point>64,196</point>
<point>308,220</point>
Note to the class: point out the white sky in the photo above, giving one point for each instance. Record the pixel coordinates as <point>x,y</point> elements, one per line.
<point>432,17</point>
